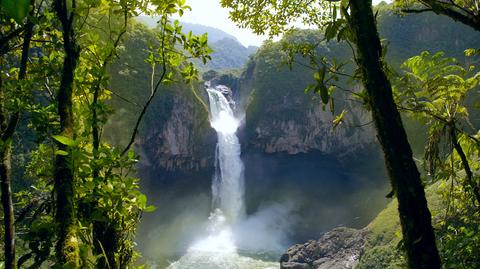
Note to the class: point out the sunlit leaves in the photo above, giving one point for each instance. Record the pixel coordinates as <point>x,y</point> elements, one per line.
<point>175,51</point>
<point>472,52</point>
<point>435,86</point>
<point>433,89</point>
<point>275,17</point>
<point>64,140</point>
<point>16,9</point>
<point>339,119</point>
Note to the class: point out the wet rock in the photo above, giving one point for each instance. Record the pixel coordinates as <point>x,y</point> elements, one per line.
<point>295,265</point>
<point>226,91</point>
<point>340,248</point>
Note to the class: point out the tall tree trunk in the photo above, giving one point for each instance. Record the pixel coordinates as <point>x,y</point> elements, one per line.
<point>8,214</point>
<point>6,154</point>
<point>415,218</point>
<point>67,245</point>
<point>5,177</point>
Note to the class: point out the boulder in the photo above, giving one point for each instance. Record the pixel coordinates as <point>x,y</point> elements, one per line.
<point>340,248</point>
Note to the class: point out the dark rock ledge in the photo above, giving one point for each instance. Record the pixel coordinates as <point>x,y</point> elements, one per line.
<point>340,248</point>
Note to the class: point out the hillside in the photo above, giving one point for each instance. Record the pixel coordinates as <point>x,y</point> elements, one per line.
<point>228,53</point>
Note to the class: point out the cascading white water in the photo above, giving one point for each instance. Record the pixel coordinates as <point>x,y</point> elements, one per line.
<point>228,185</point>
<point>217,250</point>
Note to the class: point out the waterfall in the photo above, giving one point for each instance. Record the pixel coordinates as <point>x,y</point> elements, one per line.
<point>217,249</point>
<point>228,182</point>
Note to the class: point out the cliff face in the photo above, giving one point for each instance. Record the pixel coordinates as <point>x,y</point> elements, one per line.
<point>312,130</point>
<point>281,117</point>
<point>177,135</point>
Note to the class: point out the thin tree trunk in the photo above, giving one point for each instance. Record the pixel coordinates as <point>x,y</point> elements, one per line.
<point>8,214</point>
<point>67,245</point>
<point>104,231</point>
<point>5,177</point>
<point>6,155</point>
<point>466,166</point>
<point>415,218</point>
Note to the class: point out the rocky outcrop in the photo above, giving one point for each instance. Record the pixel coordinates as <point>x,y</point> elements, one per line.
<point>281,118</point>
<point>179,137</point>
<point>312,131</point>
<point>340,248</point>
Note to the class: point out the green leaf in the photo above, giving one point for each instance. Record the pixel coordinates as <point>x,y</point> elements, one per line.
<point>150,208</point>
<point>142,200</point>
<point>131,154</point>
<point>16,9</point>
<point>320,75</point>
<point>323,91</point>
<point>61,152</point>
<point>339,119</point>
<point>64,140</point>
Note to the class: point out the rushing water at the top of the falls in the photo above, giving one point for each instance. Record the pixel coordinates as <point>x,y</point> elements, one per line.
<point>217,249</point>
<point>221,113</point>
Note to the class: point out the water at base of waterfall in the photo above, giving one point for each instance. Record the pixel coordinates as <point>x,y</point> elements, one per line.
<point>217,250</point>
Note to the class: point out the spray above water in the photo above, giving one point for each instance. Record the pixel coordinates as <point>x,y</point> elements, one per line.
<point>218,248</point>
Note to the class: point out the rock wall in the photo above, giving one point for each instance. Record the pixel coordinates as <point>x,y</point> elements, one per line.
<point>313,131</point>
<point>177,137</point>
<point>281,117</point>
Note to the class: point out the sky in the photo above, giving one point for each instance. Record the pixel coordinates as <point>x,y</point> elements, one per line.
<point>209,13</point>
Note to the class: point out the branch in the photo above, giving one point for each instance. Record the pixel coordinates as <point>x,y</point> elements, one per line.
<point>465,164</point>
<point>15,117</point>
<point>152,95</point>
<point>5,40</point>
<point>438,7</point>
<point>416,10</point>
<point>125,99</point>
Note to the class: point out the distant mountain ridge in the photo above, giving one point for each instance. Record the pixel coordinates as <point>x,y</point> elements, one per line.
<point>228,53</point>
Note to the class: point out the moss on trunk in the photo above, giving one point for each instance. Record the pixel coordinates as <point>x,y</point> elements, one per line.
<point>415,218</point>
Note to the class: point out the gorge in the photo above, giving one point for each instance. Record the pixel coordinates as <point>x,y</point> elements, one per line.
<point>302,176</point>
<point>132,136</point>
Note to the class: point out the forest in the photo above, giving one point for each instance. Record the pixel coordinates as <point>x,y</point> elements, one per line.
<point>134,137</point>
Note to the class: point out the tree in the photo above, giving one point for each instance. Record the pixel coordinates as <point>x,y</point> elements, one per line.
<point>67,245</point>
<point>104,165</point>
<point>464,11</point>
<point>96,203</point>
<point>436,90</point>
<point>168,58</point>
<point>9,126</point>
<point>356,24</point>
<point>433,89</point>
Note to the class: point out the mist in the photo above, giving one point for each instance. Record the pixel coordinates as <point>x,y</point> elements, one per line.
<point>285,204</point>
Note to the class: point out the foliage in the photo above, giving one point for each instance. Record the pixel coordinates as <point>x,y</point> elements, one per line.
<point>433,90</point>
<point>277,16</point>
<point>107,201</point>
<point>464,11</point>
<point>16,9</point>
